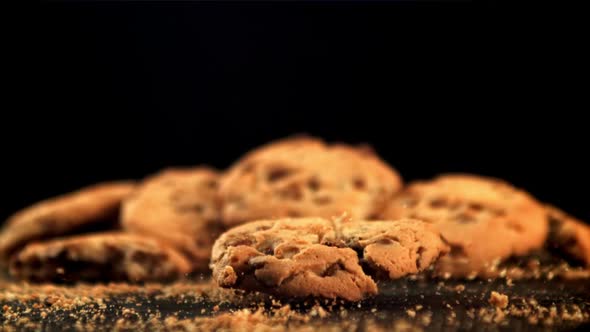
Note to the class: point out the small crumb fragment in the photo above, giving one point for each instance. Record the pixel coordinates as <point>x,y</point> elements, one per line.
<point>498,300</point>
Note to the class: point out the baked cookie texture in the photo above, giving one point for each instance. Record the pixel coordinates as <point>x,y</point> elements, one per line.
<point>178,206</point>
<point>569,235</point>
<point>319,257</point>
<point>109,256</point>
<point>305,177</point>
<point>95,206</point>
<point>484,220</point>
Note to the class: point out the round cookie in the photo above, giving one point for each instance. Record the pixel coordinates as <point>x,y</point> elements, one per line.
<point>95,206</point>
<point>301,177</point>
<point>319,257</point>
<point>177,206</point>
<point>111,256</point>
<point>484,220</point>
<point>569,235</point>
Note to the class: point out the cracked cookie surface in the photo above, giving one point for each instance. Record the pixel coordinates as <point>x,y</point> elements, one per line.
<point>484,220</point>
<point>110,256</point>
<point>95,206</point>
<point>305,177</point>
<point>324,258</point>
<point>178,206</point>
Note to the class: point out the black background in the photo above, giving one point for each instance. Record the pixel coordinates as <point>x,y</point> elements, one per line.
<point>119,90</point>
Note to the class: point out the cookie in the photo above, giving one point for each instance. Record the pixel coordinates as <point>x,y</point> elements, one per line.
<point>484,220</point>
<point>569,235</point>
<point>324,258</point>
<point>110,256</point>
<point>305,177</point>
<point>177,206</point>
<point>94,207</point>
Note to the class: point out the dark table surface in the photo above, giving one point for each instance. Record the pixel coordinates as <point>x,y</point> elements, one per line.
<point>428,305</point>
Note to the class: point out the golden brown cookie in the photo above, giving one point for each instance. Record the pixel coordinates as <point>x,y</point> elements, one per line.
<point>96,206</point>
<point>177,206</point>
<point>569,235</point>
<point>484,220</point>
<point>301,177</point>
<point>111,256</point>
<point>319,257</point>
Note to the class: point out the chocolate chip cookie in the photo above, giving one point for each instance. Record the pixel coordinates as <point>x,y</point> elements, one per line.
<point>94,207</point>
<point>484,220</point>
<point>111,256</point>
<point>177,206</point>
<point>569,235</point>
<point>305,177</point>
<point>325,258</point>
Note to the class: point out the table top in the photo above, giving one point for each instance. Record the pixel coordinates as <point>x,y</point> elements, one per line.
<point>408,304</point>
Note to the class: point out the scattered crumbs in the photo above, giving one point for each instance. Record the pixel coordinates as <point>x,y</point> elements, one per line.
<point>88,306</point>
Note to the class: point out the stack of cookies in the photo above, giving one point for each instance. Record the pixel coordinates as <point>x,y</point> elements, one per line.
<point>297,217</point>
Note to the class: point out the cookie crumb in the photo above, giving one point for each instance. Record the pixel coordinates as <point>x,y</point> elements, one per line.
<point>498,300</point>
